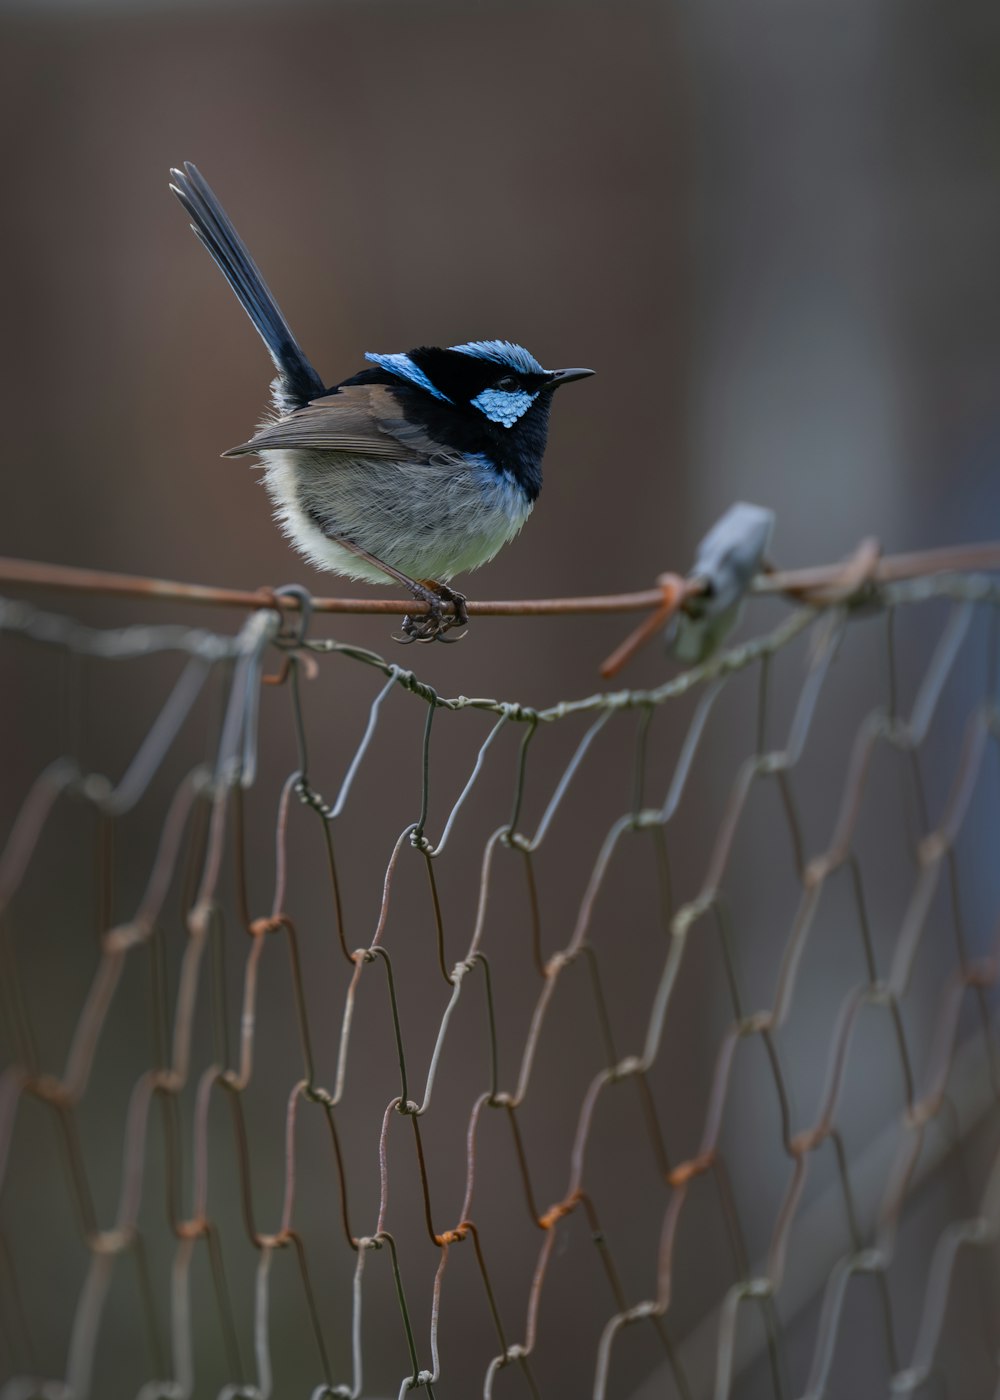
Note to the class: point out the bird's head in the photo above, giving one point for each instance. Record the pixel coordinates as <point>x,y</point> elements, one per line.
<point>494,378</point>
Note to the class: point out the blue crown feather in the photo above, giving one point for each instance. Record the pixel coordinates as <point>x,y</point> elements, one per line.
<point>402,365</point>
<point>502,352</point>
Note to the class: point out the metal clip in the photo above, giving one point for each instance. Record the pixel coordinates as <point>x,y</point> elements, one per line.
<point>726,563</point>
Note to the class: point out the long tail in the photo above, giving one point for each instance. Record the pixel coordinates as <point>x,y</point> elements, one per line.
<point>298,382</point>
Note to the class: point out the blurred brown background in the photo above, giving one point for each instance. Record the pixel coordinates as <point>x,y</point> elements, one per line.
<point>771,227</point>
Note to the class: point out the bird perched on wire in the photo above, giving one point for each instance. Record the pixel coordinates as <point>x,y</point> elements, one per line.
<point>413,470</point>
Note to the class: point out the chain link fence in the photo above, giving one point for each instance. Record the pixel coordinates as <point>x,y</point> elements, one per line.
<point>363,1040</point>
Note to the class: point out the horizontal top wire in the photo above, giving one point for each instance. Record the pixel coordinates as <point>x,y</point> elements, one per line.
<point>822,580</point>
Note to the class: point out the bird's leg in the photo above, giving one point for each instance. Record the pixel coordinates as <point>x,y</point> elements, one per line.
<point>432,626</point>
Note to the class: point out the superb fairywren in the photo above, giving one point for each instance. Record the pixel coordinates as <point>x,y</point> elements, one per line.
<point>416,469</point>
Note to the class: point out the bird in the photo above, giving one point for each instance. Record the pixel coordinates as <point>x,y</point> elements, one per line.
<point>418,467</point>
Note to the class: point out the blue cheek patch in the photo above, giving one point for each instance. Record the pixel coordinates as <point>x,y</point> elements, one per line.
<point>502,407</point>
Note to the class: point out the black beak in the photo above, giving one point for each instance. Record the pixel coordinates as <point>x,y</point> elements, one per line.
<point>565,376</point>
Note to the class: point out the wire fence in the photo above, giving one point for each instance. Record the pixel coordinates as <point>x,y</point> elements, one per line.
<point>640,1045</point>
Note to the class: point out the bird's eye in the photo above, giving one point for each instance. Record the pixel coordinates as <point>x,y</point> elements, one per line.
<point>508,383</point>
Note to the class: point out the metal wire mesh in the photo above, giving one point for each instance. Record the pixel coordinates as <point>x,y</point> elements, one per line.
<point>600,973</point>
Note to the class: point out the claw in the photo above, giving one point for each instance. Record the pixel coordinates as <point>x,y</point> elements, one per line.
<point>417,629</point>
<point>432,625</point>
<point>460,616</point>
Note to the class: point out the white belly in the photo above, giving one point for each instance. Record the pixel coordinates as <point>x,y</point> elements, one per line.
<point>428,520</point>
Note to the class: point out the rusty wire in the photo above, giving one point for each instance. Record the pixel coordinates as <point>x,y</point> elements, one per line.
<point>205,816</point>
<point>825,581</point>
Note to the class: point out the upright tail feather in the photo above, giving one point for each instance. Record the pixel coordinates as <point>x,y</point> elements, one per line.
<point>298,381</point>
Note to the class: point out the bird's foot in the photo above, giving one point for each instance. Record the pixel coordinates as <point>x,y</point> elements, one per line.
<point>432,625</point>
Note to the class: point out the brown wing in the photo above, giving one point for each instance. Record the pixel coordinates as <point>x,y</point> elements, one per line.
<point>360,420</point>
